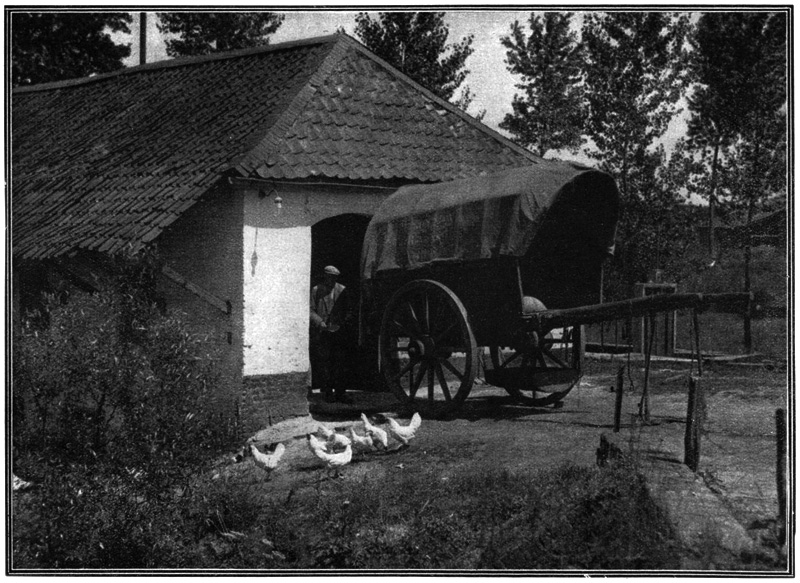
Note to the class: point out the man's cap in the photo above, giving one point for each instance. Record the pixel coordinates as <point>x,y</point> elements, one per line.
<point>331,270</point>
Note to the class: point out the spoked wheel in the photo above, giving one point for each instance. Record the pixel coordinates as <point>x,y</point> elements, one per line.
<point>428,354</point>
<point>543,371</point>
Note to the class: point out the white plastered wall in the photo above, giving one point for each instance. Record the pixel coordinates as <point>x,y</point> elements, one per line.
<point>277,265</point>
<point>277,260</point>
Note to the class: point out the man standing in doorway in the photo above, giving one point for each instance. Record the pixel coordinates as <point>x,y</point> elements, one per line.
<point>327,318</point>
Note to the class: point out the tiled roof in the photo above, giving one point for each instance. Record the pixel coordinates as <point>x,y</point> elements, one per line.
<point>110,161</point>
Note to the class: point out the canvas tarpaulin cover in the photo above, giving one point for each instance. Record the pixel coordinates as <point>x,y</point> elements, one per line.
<point>488,216</point>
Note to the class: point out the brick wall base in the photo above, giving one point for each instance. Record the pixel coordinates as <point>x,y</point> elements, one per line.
<point>269,399</point>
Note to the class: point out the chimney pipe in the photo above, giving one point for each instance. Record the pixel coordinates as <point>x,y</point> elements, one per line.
<point>142,38</point>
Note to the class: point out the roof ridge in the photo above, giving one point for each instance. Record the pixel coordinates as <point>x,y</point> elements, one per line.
<point>449,106</point>
<point>179,62</point>
<point>244,164</point>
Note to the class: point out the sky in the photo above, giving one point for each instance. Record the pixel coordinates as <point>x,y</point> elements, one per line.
<point>492,85</point>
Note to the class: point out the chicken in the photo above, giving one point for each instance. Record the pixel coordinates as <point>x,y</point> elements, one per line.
<point>267,462</point>
<point>325,432</point>
<point>361,442</point>
<point>335,461</point>
<point>377,434</point>
<point>405,433</point>
<point>315,444</point>
<point>20,484</point>
<point>337,441</point>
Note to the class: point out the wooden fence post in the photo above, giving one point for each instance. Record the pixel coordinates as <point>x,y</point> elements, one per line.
<point>644,404</point>
<point>696,326</point>
<point>618,400</point>
<point>695,415</point>
<point>780,474</point>
<point>748,326</point>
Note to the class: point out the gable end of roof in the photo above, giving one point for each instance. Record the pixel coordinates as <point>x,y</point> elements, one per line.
<point>442,102</point>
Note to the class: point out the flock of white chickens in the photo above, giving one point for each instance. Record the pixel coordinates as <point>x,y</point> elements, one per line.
<point>335,450</point>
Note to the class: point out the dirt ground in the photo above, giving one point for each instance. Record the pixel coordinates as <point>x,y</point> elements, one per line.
<point>732,498</point>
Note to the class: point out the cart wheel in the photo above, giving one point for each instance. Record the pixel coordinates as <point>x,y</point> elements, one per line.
<point>542,373</point>
<point>426,341</point>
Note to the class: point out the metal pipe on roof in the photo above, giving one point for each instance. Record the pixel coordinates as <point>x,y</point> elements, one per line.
<point>245,180</point>
<point>142,38</point>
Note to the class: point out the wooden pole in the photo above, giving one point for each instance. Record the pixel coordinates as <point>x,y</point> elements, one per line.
<point>618,400</point>
<point>694,419</point>
<point>780,474</point>
<point>696,330</point>
<point>142,38</point>
<point>748,324</point>
<point>644,404</point>
<point>734,302</point>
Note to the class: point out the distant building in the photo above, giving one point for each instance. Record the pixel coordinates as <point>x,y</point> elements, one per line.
<point>765,229</point>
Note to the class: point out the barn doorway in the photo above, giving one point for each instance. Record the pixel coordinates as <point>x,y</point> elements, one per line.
<point>334,358</point>
<point>337,241</point>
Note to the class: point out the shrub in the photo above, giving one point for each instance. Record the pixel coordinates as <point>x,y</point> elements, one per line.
<point>112,418</point>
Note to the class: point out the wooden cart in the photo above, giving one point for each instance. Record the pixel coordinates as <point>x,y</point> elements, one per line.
<point>453,274</point>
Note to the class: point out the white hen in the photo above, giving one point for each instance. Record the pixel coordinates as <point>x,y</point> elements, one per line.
<point>337,441</point>
<point>405,433</point>
<point>361,442</point>
<point>20,484</point>
<point>377,434</point>
<point>315,444</point>
<point>335,461</point>
<point>325,432</point>
<point>267,462</point>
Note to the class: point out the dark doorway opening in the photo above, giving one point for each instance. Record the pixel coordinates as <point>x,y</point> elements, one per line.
<point>337,241</point>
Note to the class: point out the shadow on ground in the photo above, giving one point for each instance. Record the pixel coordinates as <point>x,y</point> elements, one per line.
<point>491,403</point>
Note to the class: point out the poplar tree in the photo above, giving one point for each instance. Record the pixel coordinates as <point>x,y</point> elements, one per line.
<point>635,74</point>
<point>738,124</point>
<point>202,33</point>
<point>549,113</point>
<point>53,46</point>
<point>416,44</point>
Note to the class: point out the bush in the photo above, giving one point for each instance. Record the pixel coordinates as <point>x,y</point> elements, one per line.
<point>112,418</point>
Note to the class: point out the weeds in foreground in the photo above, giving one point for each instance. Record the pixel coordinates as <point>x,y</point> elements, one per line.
<point>571,517</point>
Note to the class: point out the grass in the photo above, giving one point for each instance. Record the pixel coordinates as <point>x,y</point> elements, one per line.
<point>719,334</point>
<point>754,383</point>
<point>568,518</point>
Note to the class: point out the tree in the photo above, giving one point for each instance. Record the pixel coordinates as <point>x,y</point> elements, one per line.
<point>738,114</point>
<point>416,44</point>
<point>550,113</point>
<point>634,78</point>
<point>65,45</point>
<point>202,33</point>
<point>739,66</point>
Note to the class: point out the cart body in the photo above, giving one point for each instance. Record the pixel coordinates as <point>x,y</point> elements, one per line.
<point>499,247</point>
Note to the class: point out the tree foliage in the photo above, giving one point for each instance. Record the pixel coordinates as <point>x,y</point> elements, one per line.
<point>634,78</point>
<point>202,33</point>
<point>738,123</point>
<point>738,115</point>
<point>549,114</point>
<point>52,46</point>
<point>416,44</point>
